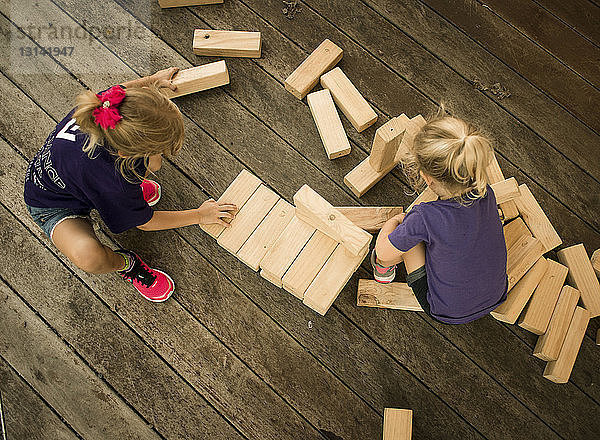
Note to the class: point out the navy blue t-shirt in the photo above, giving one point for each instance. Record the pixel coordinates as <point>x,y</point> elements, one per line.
<point>62,175</point>
<point>465,257</point>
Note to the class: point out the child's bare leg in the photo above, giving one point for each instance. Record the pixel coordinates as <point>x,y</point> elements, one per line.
<point>75,238</point>
<point>414,258</point>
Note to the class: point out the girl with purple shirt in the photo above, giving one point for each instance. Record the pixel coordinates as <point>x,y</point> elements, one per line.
<point>453,248</point>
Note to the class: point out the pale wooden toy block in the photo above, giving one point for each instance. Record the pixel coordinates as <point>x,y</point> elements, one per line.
<point>247,219</point>
<point>181,3</point>
<point>309,262</point>
<point>581,275</point>
<point>428,195</point>
<point>348,99</point>
<point>370,218</point>
<point>237,193</point>
<point>318,212</point>
<point>506,190</point>
<point>197,79</point>
<point>595,260</point>
<point>539,310</point>
<point>307,74</point>
<point>509,209</point>
<point>386,142</point>
<point>397,296</point>
<point>536,219</point>
<point>413,127</point>
<point>518,296</point>
<point>261,240</point>
<point>328,124</point>
<point>514,231</point>
<point>559,370</point>
<point>549,344</point>
<point>285,249</point>
<point>397,424</point>
<point>219,43</point>
<point>332,278</point>
<point>521,257</point>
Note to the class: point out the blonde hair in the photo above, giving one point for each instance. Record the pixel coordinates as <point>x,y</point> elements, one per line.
<point>151,124</point>
<point>454,153</point>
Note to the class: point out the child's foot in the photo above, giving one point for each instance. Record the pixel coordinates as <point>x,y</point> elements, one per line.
<point>151,191</point>
<point>153,284</point>
<point>382,274</point>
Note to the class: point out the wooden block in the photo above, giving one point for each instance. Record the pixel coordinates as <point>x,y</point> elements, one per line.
<point>514,231</point>
<point>559,370</point>
<point>261,240</point>
<point>387,141</point>
<point>426,196</point>
<point>316,211</point>
<point>595,260</point>
<point>549,344</point>
<point>181,3</point>
<point>308,264</point>
<point>539,310</point>
<point>219,43</point>
<point>521,257</point>
<point>581,275</point>
<point>247,219</point>
<point>307,74</point>
<point>518,296</point>
<point>363,177</point>
<point>348,99</point>
<point>332,278</point>
<point>370,218</point>
<point>197,79</point>
<point>536,220</point>
<point>397,296</point>
<point>506,190</point>
<point>285,249</point>
<point>237,193</point>
<point>509,209</point>
<point>397,424</point>
<point>328,124</point>
<point>413,127</point>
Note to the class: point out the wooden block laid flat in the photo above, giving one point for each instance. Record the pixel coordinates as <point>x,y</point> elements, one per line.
<point>261,240</point>
<point>428,195</point>
<point>518,296</point>
<point>387,141</point>
<point>318,212</point>
<point>247,219</point>
<point>506,190</point>
<point>181,3</point>
<point>369,218</point>
<point>309,262</point>
<point>210,42</point>
<point>521,257</point>
<point>397,296</point>
<point>514,231</point>
<point>509,209</point>
<point>536,219</point>
<point>397,424</point>
<point>307,74</point>
<point>581,275</point>
<point>328,124</point>
<point>285,249</point>
<point>348,99</point>
<point>549,344</point>
<point>332,278</point>
<point>595,260</point>
<point>197,79</point>
<point>363,177</point>
<point>237,193</point>
<point>559,370</point>
<point>539,310</point>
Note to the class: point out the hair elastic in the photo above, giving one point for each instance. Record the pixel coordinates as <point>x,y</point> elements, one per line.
<point>107,114</point>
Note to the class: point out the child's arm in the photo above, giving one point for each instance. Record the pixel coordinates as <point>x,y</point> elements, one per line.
<point>387,254</point>
<point>209,212</point>
<point>162,77</point>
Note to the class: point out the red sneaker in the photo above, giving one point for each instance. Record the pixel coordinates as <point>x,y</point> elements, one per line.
<point>153,284</point>
<point>151,191</point>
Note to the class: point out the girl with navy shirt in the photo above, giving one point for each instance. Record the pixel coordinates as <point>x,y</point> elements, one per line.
<point>453,248</point>
<point>98,157</point>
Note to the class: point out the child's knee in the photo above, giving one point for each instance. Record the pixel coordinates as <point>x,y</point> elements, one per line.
<point>89,257</point>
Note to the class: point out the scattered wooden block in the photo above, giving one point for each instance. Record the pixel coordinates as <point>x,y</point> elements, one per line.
<point>581,275</point>
<point>181,3</point>
<point>197,79</point>
<point>237,193</point>
<point>518,296</point>
<point>426,196</point>
<point>328,124</point>
<point>309,262</point>
<point>414,126</point>
<point>397,296</point>
<point>549,344</point>
<point>219,43</point>
<point>539,310</point>
<point>559,370</point>
<point>261,240</point>
<point>514,231</point>
<point>595,260</point>
<point>348,99</point>
<point>307,74</point>
<point>370,218</point>
<point>506,190</point>
<point>386,143</point>
<point>509,209</point>
<point>397,424</point>
<point>521,256</point>
<point>536,220</point>
<point>317,212</point>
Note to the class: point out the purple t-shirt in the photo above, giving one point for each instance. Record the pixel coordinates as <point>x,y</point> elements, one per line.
<point>61,175</point>
<point>465,255</point>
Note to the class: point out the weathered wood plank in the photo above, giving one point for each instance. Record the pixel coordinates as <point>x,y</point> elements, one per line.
<point>581,15</point>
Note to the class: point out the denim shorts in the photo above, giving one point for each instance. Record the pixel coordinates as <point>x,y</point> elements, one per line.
<point>49,218</point>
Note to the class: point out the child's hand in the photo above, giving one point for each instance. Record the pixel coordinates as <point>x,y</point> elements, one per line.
<point>397,219</point>
<point>211,212</point>
<point>163,77</point>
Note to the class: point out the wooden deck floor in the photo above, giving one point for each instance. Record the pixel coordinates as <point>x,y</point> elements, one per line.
<point>230,356</point>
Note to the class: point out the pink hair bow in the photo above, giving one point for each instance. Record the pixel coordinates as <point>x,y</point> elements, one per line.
<point>107,115</point>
